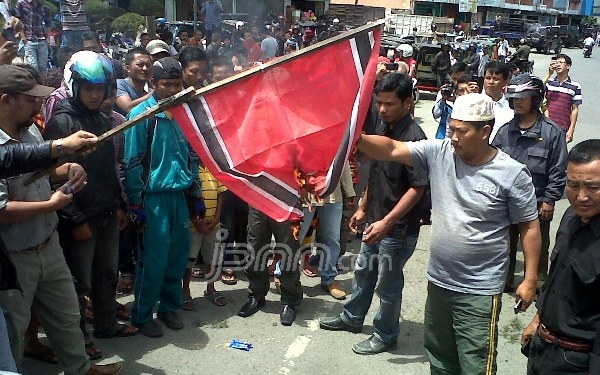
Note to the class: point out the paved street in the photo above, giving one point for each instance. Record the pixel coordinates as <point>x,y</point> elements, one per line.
<point>202,347</point>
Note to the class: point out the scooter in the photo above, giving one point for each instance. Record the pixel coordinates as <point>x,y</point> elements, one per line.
<point>587,51</point>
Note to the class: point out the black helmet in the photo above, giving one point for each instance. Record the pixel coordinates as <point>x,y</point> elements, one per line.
<point>526,85</point>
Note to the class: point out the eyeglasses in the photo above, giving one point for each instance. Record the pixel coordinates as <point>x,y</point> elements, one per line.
<point>560,62</point>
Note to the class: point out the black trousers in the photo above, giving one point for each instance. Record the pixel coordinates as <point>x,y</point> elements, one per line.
<point>260,230</point>
<point>549,359</point>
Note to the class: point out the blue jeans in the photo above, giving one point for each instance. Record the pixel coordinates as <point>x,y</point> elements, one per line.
<point>330,217</point>
<point>7,362</point>
<point>378,268</point>
<point>36,55</point>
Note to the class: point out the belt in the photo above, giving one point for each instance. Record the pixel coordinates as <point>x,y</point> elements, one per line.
<point>40,246</point>
<point>562,342</point>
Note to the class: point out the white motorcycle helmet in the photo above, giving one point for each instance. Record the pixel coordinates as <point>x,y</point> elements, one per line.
<point>406,49</point>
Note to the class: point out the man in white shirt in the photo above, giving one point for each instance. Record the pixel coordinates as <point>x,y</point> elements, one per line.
<point>494,80</point>
<point>589,43</point>
<point>502,49</point>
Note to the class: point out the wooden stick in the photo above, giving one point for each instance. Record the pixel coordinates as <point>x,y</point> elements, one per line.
<point>175,100</point>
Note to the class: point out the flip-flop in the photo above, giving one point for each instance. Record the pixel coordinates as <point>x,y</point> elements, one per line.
<point>187,303</point>
<point>228,277</point>
<point>215,297</point>
<point>44,354</point>
<point>123,331</point>
<point>309,271</point>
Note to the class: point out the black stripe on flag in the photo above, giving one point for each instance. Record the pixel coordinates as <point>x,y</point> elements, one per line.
<point>363,45</point>
<point>219,154</point>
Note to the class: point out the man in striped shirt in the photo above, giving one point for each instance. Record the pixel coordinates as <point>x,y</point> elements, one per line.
<point>563,95</point>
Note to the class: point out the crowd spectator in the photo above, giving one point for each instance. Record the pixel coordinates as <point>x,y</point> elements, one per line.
<point>212,49</point>
<point>494,81</point>
<point>89,226</point>
<point>390,211</point>
<point>562,337</point>
<point>198,39</point>
<point>212,10</point>
<point>253,48</point>
<point>74,23</point>
<point>36,19</point>
<point>134,89</point>
<point>158,171</point>
<point>534,140</point>
<point>268,45</point>
<point>440,65</point>
<point>44,278</point>
<point>563,95</point>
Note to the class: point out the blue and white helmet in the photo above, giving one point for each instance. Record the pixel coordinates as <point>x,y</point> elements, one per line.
<point>90,67</point>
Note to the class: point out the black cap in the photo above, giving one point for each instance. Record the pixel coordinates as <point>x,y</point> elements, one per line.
<point>167,68</point>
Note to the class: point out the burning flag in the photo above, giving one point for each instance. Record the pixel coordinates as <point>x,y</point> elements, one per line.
<point>292,119</point>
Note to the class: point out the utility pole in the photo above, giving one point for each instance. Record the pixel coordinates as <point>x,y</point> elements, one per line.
<point>195,15</point>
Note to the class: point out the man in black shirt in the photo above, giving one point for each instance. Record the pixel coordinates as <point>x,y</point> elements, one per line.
<point>389,208</point>
<point>563,331</point>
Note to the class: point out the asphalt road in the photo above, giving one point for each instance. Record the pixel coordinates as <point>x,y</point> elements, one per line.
<point>202,346</point>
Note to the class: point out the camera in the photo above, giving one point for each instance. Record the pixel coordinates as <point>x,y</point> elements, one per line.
<point>448,91</point>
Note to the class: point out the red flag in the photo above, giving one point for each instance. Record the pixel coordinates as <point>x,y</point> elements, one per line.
<point>299,114</point>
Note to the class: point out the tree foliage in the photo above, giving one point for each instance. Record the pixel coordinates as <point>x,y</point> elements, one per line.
<point>128,23</point>
<point>147,7</point>
<point>53,8</point>
<point>100,14</point>
<point>590,21</point>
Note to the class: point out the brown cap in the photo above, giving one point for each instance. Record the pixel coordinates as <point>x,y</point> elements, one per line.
<point>17,80</point>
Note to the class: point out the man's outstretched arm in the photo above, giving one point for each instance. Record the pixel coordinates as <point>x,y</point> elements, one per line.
<point>383,148</point>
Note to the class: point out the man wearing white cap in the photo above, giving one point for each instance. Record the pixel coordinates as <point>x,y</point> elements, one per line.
<point>477,192</point>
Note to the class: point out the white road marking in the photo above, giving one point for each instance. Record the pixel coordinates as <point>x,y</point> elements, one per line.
<point>295,350</point>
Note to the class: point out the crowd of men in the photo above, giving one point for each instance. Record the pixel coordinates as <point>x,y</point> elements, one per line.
<point>137,215</point>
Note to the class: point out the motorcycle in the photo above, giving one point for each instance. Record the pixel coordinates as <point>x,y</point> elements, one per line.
<point>587,51</point>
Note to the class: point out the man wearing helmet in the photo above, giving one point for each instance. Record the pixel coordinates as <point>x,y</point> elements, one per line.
<point>89,227</point>
<point>405,54</point>
<point>536,141</point>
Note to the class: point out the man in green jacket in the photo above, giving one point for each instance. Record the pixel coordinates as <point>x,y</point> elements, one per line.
<point>159,169</point>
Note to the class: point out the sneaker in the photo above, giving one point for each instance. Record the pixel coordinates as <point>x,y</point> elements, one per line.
<point>335,290</point>
<point>111,369</point>
<point>150,329</point>
<point>171,320</point>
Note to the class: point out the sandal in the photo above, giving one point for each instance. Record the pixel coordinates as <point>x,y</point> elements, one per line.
<point>277,281</point>
<point>92,350</point>
<point>197,273</point>
<point>187,303</point>
<point>217,298</point>
<point>124,330</point>
<point>42,353</point>
<point>228,277</point>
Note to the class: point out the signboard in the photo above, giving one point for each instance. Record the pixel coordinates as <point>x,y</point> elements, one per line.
<point>467,6</point>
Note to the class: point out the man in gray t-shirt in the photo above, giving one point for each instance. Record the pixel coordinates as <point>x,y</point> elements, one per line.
<point>477,191</point>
